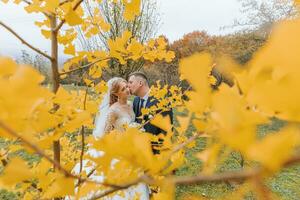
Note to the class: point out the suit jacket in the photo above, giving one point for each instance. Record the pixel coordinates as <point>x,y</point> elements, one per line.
<point>149,127</point>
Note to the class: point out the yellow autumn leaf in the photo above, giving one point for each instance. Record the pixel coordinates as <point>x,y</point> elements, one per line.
<point>196,69</point>
<point>273,150</point>
<point>132,9</point>
<point>135,48</point>
<point>170,55</point>
<point>72,18</point>
<point>88,188</point>
<point>209,157</point>
<point>61,186</point>
<point>167,191</point>
<point>7,66</point>
<point>70,49</point>
<point>15,172</point>
<point>184,123</point>
<point>51,5</point>
<point>33,7</point>
<point>46,33</point>
<point>162,122</point>
<point>177,160</point>
<point>272,80</point>
<point>237,123</point>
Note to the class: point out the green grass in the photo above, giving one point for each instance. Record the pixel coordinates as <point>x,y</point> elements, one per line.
<point>286,183</point>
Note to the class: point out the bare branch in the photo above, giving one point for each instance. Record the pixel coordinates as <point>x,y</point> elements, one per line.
<point>63,2</point>
<point>110,191</point>
<point>24,42</point>
<point>82,136</point>
<point>228,176</point>
<point>85,66</point>
<point>183,145</point>
<point>27,2</point>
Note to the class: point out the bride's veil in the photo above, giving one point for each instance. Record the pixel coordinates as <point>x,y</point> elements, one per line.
<point>101,117</point>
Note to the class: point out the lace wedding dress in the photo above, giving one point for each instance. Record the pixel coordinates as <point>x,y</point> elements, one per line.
<point>116,119</point>
<point>110,118</point>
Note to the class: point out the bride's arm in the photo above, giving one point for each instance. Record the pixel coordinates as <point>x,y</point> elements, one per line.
<point>110,123</point>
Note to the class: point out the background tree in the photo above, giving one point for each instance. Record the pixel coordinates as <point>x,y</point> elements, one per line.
<point>239,46</point>
<point>261,15</point>
<point>143,27</point>
<point>38,62</point>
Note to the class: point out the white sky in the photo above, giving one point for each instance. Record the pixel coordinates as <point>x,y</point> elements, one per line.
<point>178,17</point>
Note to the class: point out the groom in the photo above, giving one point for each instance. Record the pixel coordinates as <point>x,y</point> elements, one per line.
<point>139,86</point>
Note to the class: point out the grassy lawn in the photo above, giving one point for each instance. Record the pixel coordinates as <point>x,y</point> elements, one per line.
<point>286,184</point>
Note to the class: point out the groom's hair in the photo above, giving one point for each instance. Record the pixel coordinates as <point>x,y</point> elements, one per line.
<point>140,75</point>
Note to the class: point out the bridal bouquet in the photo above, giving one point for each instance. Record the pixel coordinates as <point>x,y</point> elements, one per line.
<point>136,125</point>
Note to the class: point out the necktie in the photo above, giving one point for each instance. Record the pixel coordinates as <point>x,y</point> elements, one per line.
<point>141,105</point>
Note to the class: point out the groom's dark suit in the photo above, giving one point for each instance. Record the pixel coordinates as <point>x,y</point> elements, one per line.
<point>151,101</point>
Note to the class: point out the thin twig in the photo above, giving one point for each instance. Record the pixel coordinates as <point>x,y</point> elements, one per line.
<point>82,136</point>
<point>63,2</point>
<point>262,190</point>
<point>112,190</point>
<point>228,176</point>
<point>294,160</point>
<point>150,119</point>
<point>24,42</point>
<point>85,66</point>
<point>190,140</point>
<point>27,2</point>
<point>82,150</point>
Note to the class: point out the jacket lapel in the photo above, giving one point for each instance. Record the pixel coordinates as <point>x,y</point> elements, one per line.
<point>136,105</point>
<point>149,102</point>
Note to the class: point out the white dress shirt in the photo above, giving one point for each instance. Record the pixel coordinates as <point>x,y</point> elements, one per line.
<point>145,99</point>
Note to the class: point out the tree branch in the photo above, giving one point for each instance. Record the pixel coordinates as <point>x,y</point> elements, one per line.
<point>85,66</point>
<point>27,2</point>
<point>112,190</point>
<point>82,137</point>
<point>228,176</point>
<point>24,42</point>
<point>190,140</point>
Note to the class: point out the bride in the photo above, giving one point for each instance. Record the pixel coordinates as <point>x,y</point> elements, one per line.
<point>114,110</point>
<point>114,113</point>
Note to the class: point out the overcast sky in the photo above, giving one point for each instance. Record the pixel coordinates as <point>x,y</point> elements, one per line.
<point>178,17</point>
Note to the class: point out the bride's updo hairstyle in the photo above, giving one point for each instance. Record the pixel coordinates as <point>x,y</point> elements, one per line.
<point>114,89</point>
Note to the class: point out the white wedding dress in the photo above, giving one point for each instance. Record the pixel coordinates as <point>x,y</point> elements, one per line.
<point>140,191</point>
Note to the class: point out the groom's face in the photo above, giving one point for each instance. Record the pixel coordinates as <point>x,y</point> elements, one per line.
<point>134,84</point>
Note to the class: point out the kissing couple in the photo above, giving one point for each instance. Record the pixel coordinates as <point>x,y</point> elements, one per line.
<point>115,111</point>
